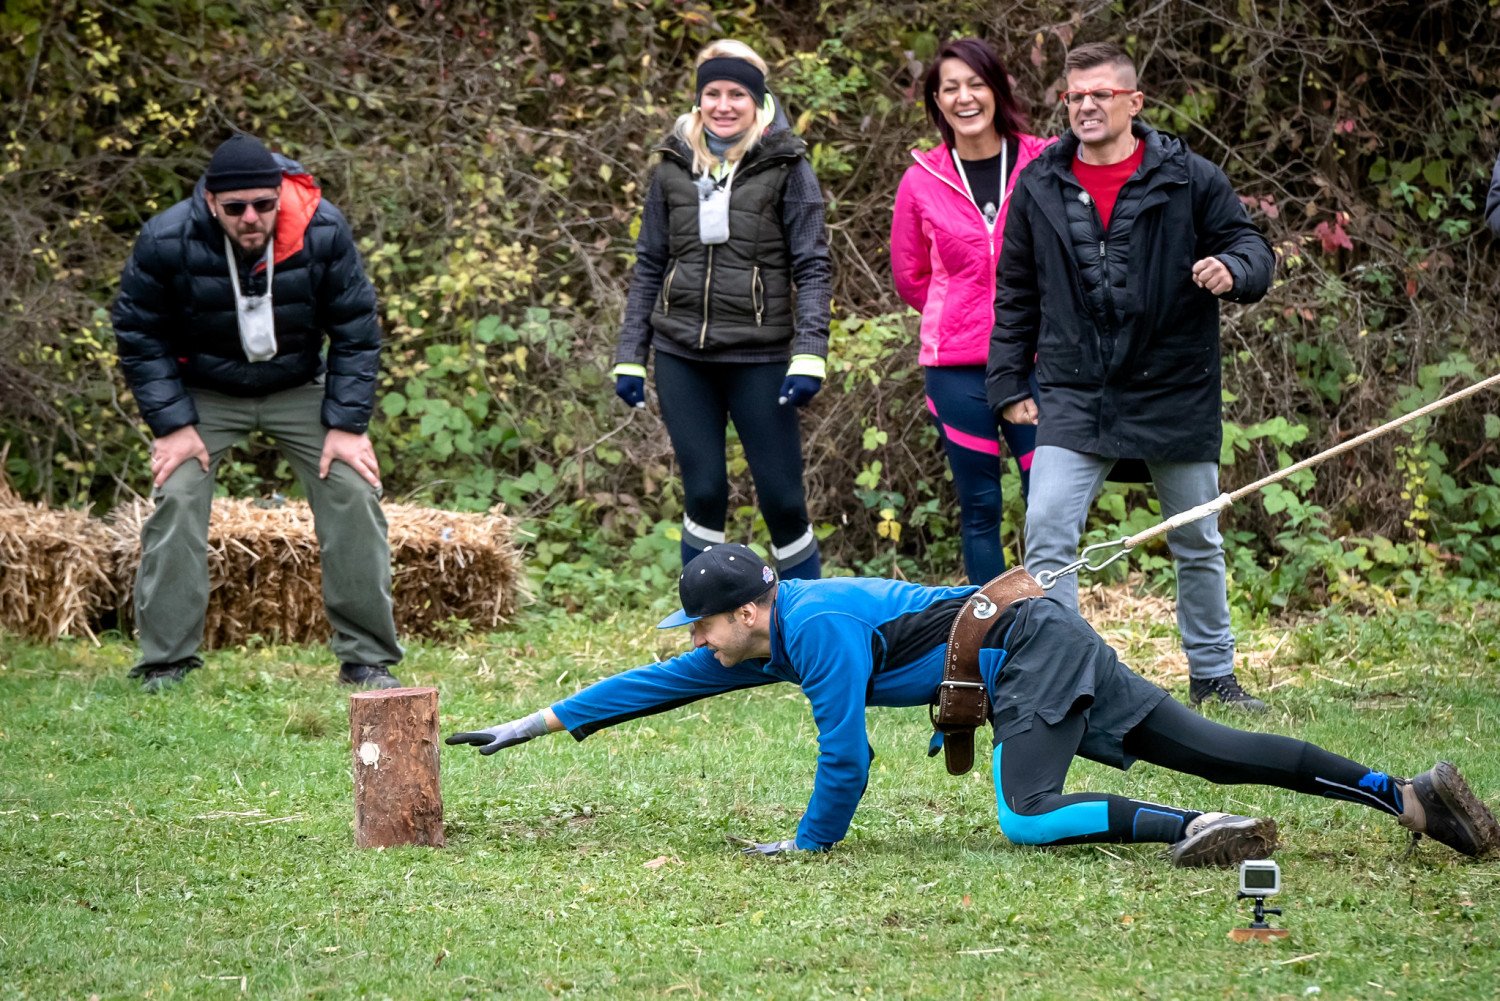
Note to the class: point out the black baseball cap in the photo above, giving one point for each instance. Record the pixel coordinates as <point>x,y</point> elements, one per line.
<point>718,579</point>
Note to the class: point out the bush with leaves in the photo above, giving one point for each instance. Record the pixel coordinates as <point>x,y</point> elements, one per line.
<point>492,157</point>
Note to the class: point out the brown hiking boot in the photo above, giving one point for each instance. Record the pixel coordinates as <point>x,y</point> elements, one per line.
<point>1439,804</point>
<point>1223,839</point>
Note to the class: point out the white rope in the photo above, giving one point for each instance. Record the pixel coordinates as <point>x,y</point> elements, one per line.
<point>1049,577</point>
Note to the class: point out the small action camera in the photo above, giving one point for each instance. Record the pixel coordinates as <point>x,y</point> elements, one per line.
<point>1259,878</point>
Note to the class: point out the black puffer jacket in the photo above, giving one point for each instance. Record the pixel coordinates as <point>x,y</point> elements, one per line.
<point>1124,343</point>
<point>177,328</point>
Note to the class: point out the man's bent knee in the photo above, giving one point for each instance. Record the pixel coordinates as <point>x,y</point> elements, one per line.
<point>1072,821</point>
<point>1020,829</point>
<point>188,483</point>
<point>343,485</point>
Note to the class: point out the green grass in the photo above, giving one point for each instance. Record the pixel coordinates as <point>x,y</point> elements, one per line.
<point>170,846</point>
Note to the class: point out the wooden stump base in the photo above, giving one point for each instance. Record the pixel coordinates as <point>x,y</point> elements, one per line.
<point>397,797</point>
<point>1257,934</point>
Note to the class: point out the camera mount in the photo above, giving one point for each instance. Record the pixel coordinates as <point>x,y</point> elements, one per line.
<point>1259,879</point>
<point>1259,930</point>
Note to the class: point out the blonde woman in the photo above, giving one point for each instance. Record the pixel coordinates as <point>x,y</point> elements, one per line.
<point>731,288</point>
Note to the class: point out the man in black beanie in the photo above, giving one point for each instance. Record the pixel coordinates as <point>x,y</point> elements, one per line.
<point>223,310</point>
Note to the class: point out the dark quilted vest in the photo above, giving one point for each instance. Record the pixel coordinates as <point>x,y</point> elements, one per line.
<point>737,293</point>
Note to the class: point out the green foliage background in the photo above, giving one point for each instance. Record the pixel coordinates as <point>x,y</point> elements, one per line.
<point>491,157</point>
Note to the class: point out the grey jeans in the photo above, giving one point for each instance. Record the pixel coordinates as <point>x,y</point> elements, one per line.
<point>1064,484</point>
<point>171,588</point>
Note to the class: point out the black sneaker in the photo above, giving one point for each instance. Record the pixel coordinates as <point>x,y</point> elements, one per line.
<point>1223,839</point>
<point>160,677</point>
<point>1439,804</point>
<point>366,676</point>
<point>1226,690</point>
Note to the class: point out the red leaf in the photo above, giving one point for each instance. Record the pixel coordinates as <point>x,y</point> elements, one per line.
<point>1411,288</point>
<point>1346,126</point>
<point>1332,237</point>
<point>1266,204</point>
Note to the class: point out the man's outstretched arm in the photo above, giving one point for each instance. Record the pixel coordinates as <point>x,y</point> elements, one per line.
<point>642,691</point>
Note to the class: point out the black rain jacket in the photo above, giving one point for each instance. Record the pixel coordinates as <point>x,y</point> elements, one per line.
<point>1125,345</point>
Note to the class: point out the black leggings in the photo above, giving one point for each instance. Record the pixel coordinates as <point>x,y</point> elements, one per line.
<point>698,399</point>
<point>1030,768</point>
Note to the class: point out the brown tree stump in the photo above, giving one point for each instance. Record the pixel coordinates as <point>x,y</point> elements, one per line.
<point>397,798</point>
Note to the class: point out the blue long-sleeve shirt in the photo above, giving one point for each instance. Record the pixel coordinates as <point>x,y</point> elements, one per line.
<point>848,643</point>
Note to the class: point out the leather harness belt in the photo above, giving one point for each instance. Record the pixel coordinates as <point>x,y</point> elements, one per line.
<point>962,702</point>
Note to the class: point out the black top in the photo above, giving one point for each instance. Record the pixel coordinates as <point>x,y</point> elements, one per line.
<point>984,178</point>
<point>177,326</point>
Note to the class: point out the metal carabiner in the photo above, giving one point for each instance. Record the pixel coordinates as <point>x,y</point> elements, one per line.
<point>1047,578</point>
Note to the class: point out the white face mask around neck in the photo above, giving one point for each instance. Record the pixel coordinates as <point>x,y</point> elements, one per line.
<point>257,318</point>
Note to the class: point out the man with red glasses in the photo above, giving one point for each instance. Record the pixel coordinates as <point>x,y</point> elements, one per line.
<point>1119,246</point>
<point>223,310</point>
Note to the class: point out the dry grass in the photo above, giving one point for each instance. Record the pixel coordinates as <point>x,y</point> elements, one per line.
<point>1143,627</point>
<point>54,570</point>
<point>265,578</point>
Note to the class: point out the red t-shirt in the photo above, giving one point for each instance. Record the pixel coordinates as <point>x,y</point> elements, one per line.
<point>1104,183</point>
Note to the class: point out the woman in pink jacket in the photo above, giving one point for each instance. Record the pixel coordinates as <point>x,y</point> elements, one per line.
<point>945,245</point>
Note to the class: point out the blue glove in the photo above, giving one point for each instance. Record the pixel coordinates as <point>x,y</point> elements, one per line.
<point>631,389</point>
<point>773,848</point>
<point>799,389</point>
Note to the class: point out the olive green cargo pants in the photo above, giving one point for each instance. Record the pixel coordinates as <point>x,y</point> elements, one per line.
<point>171,588</point>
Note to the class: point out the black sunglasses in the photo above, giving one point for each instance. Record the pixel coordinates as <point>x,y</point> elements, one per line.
<point>261,206</point>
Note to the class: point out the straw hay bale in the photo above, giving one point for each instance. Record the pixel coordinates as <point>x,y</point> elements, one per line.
<point>54,571</point>
<point>265,577</point>
<point>447,564</point>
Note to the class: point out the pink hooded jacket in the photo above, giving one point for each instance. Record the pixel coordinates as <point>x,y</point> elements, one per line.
<point>943,257</point>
